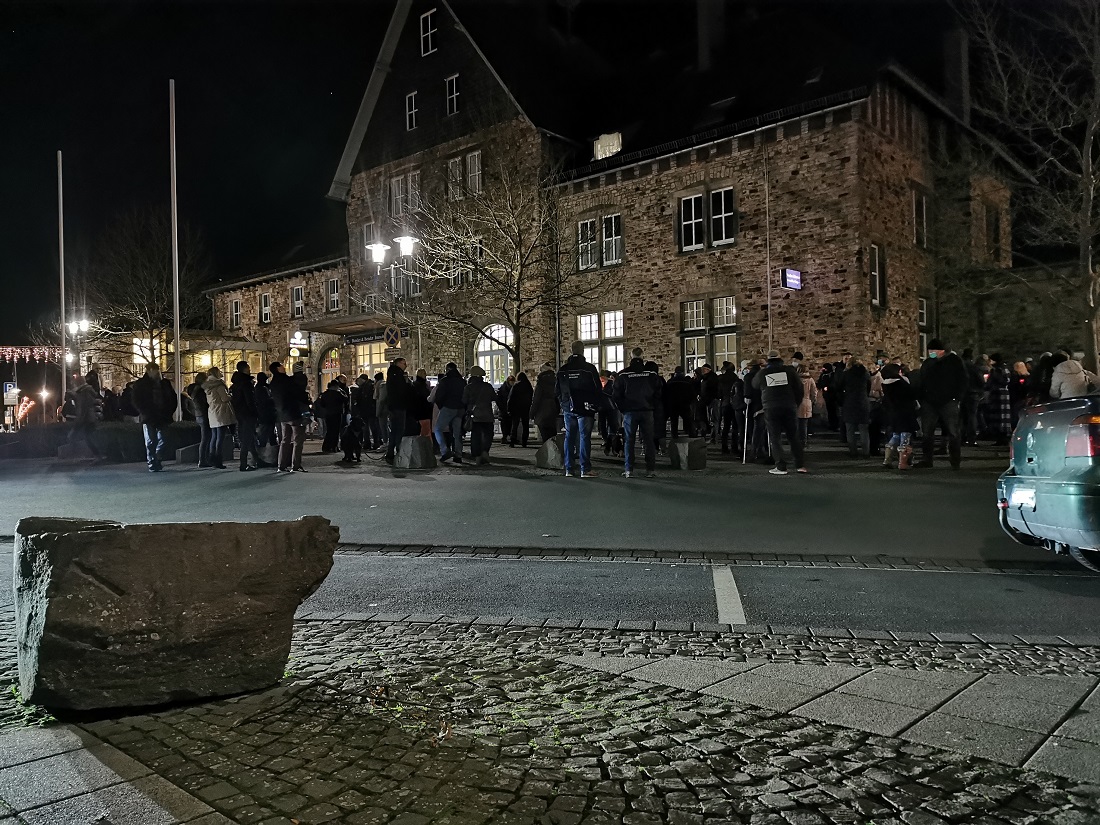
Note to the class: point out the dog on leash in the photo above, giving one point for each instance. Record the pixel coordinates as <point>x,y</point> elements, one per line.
<point>351,440</point>
<point>614,445</point>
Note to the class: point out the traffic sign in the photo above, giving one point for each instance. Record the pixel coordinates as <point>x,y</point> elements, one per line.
<point>11,398</point>
<point>9,386</point>
<point>392,336</point>
<point>392,353</point>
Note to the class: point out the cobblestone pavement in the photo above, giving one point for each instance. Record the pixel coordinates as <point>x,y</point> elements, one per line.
<point>456,722</point>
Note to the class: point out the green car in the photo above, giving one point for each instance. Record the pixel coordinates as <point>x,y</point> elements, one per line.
<point>1050,494</point>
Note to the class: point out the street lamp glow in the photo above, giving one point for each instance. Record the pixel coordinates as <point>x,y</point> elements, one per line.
<point>68,357</point>
<point>377,252</point>
<point>73,327</point>
<point>407,242</point>
<point>84,325</point>
<point>45,394</point>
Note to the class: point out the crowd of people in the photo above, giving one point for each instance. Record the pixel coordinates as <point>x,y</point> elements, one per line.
<point>758,410</point>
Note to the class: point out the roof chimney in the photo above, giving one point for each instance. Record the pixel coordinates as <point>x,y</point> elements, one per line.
<point>956,72</point>
<point>710,31</point>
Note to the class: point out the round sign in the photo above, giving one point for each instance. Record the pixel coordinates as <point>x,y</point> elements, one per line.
<point>392,336</point>
<point>294,352</point>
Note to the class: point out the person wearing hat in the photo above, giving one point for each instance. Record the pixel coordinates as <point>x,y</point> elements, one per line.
<point>291,402</point>
<point>242,392</point>
<point>780,393</point>
<point>943,384</point>
<point>580,395</point>
<point>477,399</point>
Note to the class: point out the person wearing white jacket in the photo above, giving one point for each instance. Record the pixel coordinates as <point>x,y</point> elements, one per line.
<point>220,412</point>
<point>1071,380</point>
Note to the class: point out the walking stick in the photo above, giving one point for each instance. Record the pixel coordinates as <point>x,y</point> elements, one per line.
<point>745,446</point>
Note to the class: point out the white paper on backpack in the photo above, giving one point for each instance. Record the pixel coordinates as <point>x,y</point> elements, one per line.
<point>776,379</point>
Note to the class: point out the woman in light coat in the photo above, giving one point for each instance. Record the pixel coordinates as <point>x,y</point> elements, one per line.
<point>806,408</point>
<point>1070,379</point>
<point>220,412</point>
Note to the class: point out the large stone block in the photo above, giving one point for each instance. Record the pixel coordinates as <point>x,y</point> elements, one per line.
<point>688,453</point>
<point>415,453</point>
<point>112,615</point>
<point>551,455</point>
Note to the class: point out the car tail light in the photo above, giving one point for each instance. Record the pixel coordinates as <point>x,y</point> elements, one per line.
<point>1083,440</point>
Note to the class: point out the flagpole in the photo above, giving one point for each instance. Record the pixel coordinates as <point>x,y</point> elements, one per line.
<point>175,253</point>
<point>61,261</point>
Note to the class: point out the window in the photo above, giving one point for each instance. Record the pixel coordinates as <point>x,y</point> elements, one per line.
<point>235,313</point>
<point>723,217</point>
<point>695,352</point>
<point>602,333</point>
<point>370,358</point>
<point>333,291</point>
<point>454,179</point>
<point>725,349</point>
<point>410,111</point>
<point>403,282</point>
<point>451,84</point>
<point>586,244</point>
<point>414,191</point>
<point>607,145</point>
<point>993,231</point>
<point>612,239</point>
<point>397,196</point>
<point>920,219</point>
<point>691,222</point>
<point>265,308</point>
<point>492,353</point>
<point>694,315</point>
<point>297,301</point>
<point>725,312</point>
<point>922,345</point>
<point>877,256</point>
<point>368,234</point>
<point>427,33</point>
<point>473,172</point>
<point>922,312</point>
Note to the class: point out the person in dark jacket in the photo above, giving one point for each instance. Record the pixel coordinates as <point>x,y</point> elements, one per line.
<point>265,413</point>
<point>200,407</point>
<point>449,398</point>
<point>503,392</point>
<point>943,383</point>
<point>519,407</point>
<point>900,400</point>
<point>398,400</point>
<point>291,403</point>
<point>728,391</point>
<point>364,407</point>
<point>544,403</point>
<point>710,400</point>
<point>658,408</point>
<point>155,400</point>
<point>971,403</point>
<point>780,394</point>
<point>85,401</point>
<point>635,394</point>
<point>420,408</point>
<point>756,424</point>
<point>333,406</point>
<point>679,397</point>
<point>478,400</point>
<point>580,396</point>
<point>854,384</point>
<point>242,393</point>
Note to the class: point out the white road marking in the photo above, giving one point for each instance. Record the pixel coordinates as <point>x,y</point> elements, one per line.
<point>728,599</point>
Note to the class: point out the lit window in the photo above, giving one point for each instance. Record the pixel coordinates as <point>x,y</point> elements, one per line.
<point>427,33</point>
<point>265,308</point>
<point>235,313</point>
<point>725,312</point>
<point>613,357</point>
<point>454,179</point>
<point>588,327</point>
<point>451,84</point>
<point>612,239</point>
<point>371,358</point>
<point>922,312</point>
<point>333,294</point>
<point>723,217</point>
<point>691,222</point>
<point>602,333</point>
<point>414,191</point>
<point>410,111</point>
<point>473,172</point>
<point>297,301</point>
<point>695,353</point>
<point>877,269</point>
<point>607,145</point>
<point>922,345</point>
<point>592,355</point>
<point>397,196</point>
<point>586,244</point>
<point>694,314</point>
<point>920,219</point>
<point>368,234</point>
<point>725,349</point>
<point>613,324</point>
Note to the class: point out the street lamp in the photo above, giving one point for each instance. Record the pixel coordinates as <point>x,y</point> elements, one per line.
<point>77,329</point>
<point>406,245</point>
<point>45,394</point>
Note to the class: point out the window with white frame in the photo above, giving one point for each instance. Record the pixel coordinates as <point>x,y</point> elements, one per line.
<point>404,283</point>
<point>694,315</point>
<point>725,349</point>
<point>410,111</point>
<point>695,352</point>
<point>368,238</point>
<point>451,89</point>
<point>454,179</point>
<point>723,217</point>
<point>333,291</point>
<point>427,33</point>
<point>922,312</point>
<point>724,312</point>
<point>265,308</point>
<point>877,271</point>
<point>612,239</point>
<point>920,219</point>
<point>691,222</point>
<point>297,301</point>
<point>473,172</point>
<point>922,345</point>
<point>235,313</point>
<point>586,244</point>
<point>602,334</point>
<point>371,358</point>
<point>397,196</point>
<point>477,258</point>
<point>414,191</point>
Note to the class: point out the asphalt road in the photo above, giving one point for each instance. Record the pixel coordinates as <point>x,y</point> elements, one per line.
<point>859,511</point>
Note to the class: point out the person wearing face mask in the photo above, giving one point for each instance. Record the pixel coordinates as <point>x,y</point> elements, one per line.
<point>943,383</point>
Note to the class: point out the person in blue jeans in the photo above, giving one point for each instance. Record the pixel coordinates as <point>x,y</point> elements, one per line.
<point>449,398</point>
<point>579,392</point>
<point>636,392</point>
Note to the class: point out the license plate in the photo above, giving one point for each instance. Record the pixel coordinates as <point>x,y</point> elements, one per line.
<point>1023,497</point>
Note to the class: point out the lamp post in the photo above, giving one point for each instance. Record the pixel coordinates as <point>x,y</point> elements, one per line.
<point>78,330</point>
<point>45,394</point>
<point>406,245</point>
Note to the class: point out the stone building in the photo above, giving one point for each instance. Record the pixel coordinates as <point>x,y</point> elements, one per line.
<point>725,212</point>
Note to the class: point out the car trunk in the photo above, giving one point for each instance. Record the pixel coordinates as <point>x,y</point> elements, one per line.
<point>1039,442</point>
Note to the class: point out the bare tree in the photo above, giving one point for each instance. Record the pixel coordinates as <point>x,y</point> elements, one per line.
<point>1038,89</point>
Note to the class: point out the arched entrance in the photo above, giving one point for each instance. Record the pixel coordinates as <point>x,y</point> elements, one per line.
<point>491,354</point>
<point>330,368</point>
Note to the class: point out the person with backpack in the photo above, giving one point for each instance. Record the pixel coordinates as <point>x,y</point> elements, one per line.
<point>780,394</point>
<point>200,408</point>
<point>449,398</point>
<point>580,395</point>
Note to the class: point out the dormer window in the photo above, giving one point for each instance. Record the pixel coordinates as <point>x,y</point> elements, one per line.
<point>427,33</point>
<point>607,145</point>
